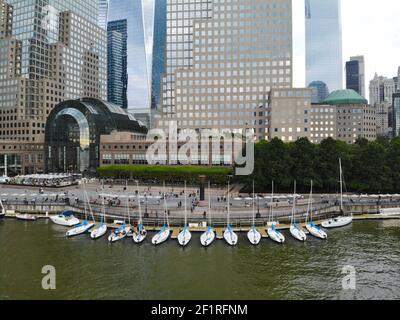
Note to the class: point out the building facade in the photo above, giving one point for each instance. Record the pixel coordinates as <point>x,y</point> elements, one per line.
<point>103,14</point>
<point>396,115</point>
<point>159,52</point>
<point>320,91</point>
<point>117,62</point>
<point>6,15</point>
<point>324,58</point>
<point>138,92</point>
<point>355,75</point>
<point>289,114</point>
<point>73,132</point>
<point>222,60</point>
<point>381,90</point>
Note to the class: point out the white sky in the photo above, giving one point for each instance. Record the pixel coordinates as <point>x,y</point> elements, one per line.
<point>370,28</point>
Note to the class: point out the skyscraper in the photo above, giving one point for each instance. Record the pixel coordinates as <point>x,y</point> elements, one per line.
<point>223,58</point>
<point>324,57</point>
<point>103,13</point>
<point>320,91</point>
<point>138,76</point>
<point>355,75</point>
<point>159,51</point>
<point>117,63</point>
<point>58,53</point>
<point>6,14</point>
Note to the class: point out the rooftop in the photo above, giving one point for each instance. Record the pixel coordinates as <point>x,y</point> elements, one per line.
<point>342,97</point>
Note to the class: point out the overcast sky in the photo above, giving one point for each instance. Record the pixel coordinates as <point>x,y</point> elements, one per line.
<point>370,28</point>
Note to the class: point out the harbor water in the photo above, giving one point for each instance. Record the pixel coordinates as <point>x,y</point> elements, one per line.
<point>87,269</point>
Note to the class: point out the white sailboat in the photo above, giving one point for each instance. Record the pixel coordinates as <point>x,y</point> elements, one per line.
<point>85,225</point>
<point>312,228</point>
<point>229,235</point>
<point>295,229</point>
<point>164,233</point>
<point>253,235</point>
<point>273,233</point>
<point>141,233</point>
<point>100,229</point>
<point>208,237</point>
<point>121,232</point>
<point>66,219</point>
<point>342,220</point>
<point>185,236</point>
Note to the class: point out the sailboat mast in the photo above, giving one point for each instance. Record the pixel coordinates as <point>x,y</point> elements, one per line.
<point>209,202</point>
<point>139,205</point>
<point>311,201</point>
<point>341,184</point>
<point>185,207</point>
<point>271,216</point>
<point>253,205</point>
<point>102,201</point>
<point>294,204</point>
<point>229,202</point>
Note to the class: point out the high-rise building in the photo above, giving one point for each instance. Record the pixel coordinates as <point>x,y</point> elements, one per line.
<point>117,63</point>
<point>355,75</point>
<point>320,91</point>
<point>103,13</point>
<point>324,58</point>
<point>137,68</point>
<point>396,115</point>
<point>381,90</point>
<point>159,51</point>
<point>223,58</point>
<point>6,14</point>
<point>56,52</point>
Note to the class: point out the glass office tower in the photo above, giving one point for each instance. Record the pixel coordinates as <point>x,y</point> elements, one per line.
<point>159,49</point>
<point>138,76</point>
<point>324,57</point>
<point>117,63</point>
<point>103,13</point>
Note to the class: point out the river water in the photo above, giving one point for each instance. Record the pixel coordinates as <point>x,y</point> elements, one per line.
<point>87,269</point>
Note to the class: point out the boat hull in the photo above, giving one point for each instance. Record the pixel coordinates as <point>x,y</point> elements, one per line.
<point>254,236</point>
<point>276,236</point>
<point>25,217</point>
<point>79,230</point>
<point>230,237</point>
<point>316,232</point>
<point>139,237</point>
<point>207,238</point>
<point>184,237</point>
<point>98,232</point>
<point>118,235</point>
<point>297,233</point>
<point>161,237</point>
<point>65,221</point>
<point>337,222</point>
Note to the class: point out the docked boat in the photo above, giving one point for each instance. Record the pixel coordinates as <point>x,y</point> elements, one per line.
<point>119,233</point>
<point>273,233</point>
<point>141,233</point>
<point>208,237</point>
<point>100,229</point>
<point>311,227</point>
<point>66,219</point>
<point>164,233</point>
<point>229,235</point>
<point>26,217</point>
<point>185,235</point>
<point>253,235</point>
<point>342,220</point>
<point>295,230</point>
<point>85,225</point>
<point>389,212</point>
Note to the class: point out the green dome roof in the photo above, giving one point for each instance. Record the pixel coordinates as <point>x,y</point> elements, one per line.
<point>341,97</point>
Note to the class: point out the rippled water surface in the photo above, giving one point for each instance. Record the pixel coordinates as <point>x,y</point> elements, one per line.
<point>89,269</point>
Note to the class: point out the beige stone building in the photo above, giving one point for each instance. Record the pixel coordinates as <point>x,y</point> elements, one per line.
<point>322,123</point>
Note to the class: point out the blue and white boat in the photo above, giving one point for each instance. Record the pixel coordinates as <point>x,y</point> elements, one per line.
<point>229,235</point>
<point>66,219</point>
<point>185,236</point>
<point>273,233</point>
<point>85,225</point>
<point>296,231</point>
<point>100,229</point>
<point>253,235</point>
<point>311,227</point>
<point>119,233</point>
<point>141,233</point>
<point>208,237</point>
<point>164,233</point>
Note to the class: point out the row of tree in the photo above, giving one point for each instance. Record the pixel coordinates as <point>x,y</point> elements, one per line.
<point>372,167</point>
